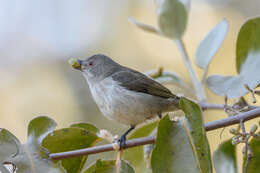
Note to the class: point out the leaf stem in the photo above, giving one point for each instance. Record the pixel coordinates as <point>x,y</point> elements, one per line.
<point>197,85</point>
<point>203,80</point>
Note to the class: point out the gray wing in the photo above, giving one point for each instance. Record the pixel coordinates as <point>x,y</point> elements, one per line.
<point>135,81</point>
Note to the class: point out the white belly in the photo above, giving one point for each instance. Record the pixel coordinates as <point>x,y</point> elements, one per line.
<point>126,107</point>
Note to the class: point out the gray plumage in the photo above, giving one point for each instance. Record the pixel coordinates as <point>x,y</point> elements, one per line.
<point>123,94</point>
<point>135,81</point>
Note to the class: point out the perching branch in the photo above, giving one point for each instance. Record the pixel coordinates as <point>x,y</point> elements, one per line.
<point>197,85</point>
<point>245,116</point>
<point>209,106</point>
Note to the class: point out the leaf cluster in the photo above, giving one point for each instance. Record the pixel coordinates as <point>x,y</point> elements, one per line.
<point>181,143</point>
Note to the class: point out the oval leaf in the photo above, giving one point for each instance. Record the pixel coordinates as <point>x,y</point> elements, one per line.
<point>182,143</point>
<point>136,155</point>
<point>247,41</point>
<point>197,134</point>
<point>173,151</point>
<point>68,139</point>
<point>9,145</point>
<point>172,18</point>
<point>248,63</point>
<point>225,158</point>
<point>30,160</point>
<point>38,128</point>
<point>28,157</point>
<point>109,166</point>
<point>234,86</point>
<point>226,85</point>
<point>209,46</point>
<point>86,126</point>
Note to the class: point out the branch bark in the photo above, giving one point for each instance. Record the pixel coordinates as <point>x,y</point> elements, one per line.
<point>245,116</point>
<point>206,106</point>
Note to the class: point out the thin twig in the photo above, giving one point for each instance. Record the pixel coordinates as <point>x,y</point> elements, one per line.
<point>248,154</point>
<point>203,79</point>
<point>197,85</point>
<point>246,164</point>
<point>207,106</point>
<point>151,139</point>
<point>248,151</point>
<point>242,126</point>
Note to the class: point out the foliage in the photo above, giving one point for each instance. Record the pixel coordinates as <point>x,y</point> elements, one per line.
<point>181,143</point>
<point>136,155</point>
<point>247,60</point>
<point>225,158</point>
<point>42,139</point>
<point>29,157</point>
<point>254,164</point>
<point>109,166</point>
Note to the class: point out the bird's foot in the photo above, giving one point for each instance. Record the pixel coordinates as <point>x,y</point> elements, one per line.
<point>122,142</point>
<point>160,115</point>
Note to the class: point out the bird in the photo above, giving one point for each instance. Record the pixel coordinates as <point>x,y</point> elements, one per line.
<point>124,94</point>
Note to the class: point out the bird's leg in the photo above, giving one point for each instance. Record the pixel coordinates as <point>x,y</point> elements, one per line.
<point>160,115</point>
<point>122,139</point>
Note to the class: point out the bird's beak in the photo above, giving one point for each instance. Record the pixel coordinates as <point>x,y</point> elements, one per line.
<point>76,63</point>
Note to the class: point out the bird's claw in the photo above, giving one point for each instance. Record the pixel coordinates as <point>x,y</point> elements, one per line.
<point>160,115</point>
<point>122,142</point>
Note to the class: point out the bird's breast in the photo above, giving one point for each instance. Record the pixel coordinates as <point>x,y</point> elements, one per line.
<point>123,105</point>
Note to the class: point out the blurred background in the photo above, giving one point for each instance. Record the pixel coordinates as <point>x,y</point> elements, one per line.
<point>38,37</point>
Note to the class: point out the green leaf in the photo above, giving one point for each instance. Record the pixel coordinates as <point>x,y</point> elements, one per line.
<point>247,41</point>
<point>254,164</point>
<point>109,166</point>
<point>173,151</point>
<point>182,143</point>
<point>68,139</point>
<point>197,134</point>
<point>39,128</point>
<point>225,158</point>
<point>29,157</point>
<point>31,160</point>
<point>248,63</point>
<point>209,46</point>
<point>86,126</point>
<point>172,18</point>
<point>8,145</point>
<point>136,155</point>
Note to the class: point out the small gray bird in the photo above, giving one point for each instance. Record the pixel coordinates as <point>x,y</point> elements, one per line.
<point>123,94</point>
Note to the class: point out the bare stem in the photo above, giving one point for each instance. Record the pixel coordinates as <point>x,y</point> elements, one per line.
<point>197,85</point>
<point>248,151</point>
<point>203,80</point>
<point>245,116</point>
<point>208,106</point>
<point>248,156</point>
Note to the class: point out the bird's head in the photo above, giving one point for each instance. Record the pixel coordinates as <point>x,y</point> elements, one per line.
<point>96,67</point>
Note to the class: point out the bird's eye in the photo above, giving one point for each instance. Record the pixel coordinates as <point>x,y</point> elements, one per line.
<point>90,63</point>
